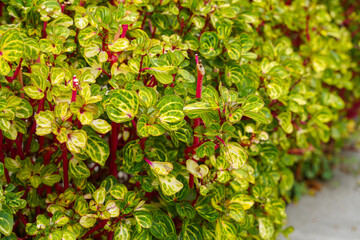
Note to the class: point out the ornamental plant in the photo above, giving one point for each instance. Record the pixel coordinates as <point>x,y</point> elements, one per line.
<point>159,119</point>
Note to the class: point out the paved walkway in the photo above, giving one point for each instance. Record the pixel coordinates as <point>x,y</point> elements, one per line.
<point>334,212</point>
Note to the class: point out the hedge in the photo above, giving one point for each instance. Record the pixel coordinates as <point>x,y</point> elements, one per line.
<point>159,119</point>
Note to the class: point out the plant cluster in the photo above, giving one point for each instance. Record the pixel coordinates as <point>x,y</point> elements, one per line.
<point>159,119</point>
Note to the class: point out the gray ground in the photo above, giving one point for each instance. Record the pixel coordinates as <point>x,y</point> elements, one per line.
<point>334,212</point>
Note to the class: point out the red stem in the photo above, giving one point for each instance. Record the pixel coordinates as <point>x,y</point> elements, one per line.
<point>100,225</point>
<point>110,235</point>
<point>44,29</point>
<point>200,77</point>
<point>109,76</point>
<point>191,181</point>
<point>113,145</point>
<point>18,143</point>
<point>2,159</point>
<point>33,128</point>
<point>16,73</point>
<point>307,28</point>
<point>65,166</point>
<point>153,33</point>
<point>140,69</point>
<point>221,140</point>
<point>125,27</point>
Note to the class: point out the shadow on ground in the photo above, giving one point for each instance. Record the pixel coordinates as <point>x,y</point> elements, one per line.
<point>334,212</point>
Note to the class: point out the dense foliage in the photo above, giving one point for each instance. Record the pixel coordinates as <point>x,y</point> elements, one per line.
<point>159,119</point>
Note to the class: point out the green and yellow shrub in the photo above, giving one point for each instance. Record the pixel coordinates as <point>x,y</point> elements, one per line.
<point>167,119</point>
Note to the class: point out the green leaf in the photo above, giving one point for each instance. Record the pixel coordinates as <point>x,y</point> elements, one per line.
<point>324,115</point>
<point>24,110</point>
<point>2,171</point>
<point>85,35</point>
<point>99,195</point>
<point>225,230</point>
<point>31,48</point>
<point>60,219</point>
<point>4,67</point>
<point>68,235</point>
<point>184,209</point>
<point>124,105</point>
<point>13,165</point>
<point>11,45</point>
<point>236,212</point>
<point>224,29</point>
<point>101,126</point>
<point>235,155</point>
<point>118,191</point>
<point>77,140</point>
<point>191,232</point>
<point>196,170</point>
<point>4,124</point>
<point>78,169</point>
<point>246,42</point>
<point>200,107</point>
<point>147,96</point>
<point>285,121</point>
<point>160,21</point>
<point>6,222</point>
<point>91,50</point>
<point>97,149</point>
<point>161,168</point>
<point>246,201</point>
<point>205,149</point>
<point>80,21</point>
<point>209,42</point>
<point>257,116</point>
<point>162,226</point>
<point>87,221</point>
<point>208,212</point>
<point>236,116</point>
<point>274,90</point>
<point>169,184</point>
<point>34,92</point>
<point>234,73</point>
<point>81,206</point>
<point>170,109</point>
<point>186,76</point>
<point>143,218</point>
<point>122,232</point>
<point>266,228</point>
<point>164,78</point>
<point>119,45</point>
<point>185,134</point>
<point>252,103</point>
<point>234,51</point>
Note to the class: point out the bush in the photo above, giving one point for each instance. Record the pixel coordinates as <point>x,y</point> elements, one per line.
<point>168,119</point>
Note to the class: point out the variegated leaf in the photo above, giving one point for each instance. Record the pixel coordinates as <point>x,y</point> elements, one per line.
<point>97,149</point>
<point>169,184</point>
<point>124,105</point>
<point>11,45</point>
<point>170,109</point>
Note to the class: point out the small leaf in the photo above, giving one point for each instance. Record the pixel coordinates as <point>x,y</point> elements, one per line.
<point>252,103</point>
<point>143,218</point>
<point>101,126</point>
<point>97,149</point>
<point>198,171</point>
<point>99,195</point>
<point>169,184</point>
<point>162,168</point>
<point>118,191</point>
<point>266,228</point>
<point>119,45</point>
<point>6,222</point>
